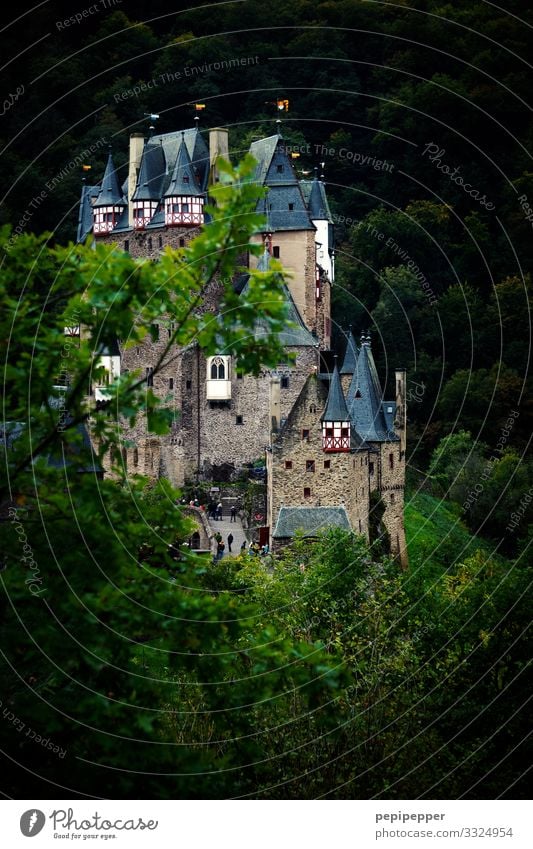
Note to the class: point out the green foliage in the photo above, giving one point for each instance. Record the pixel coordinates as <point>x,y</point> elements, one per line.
<point>111,645</point>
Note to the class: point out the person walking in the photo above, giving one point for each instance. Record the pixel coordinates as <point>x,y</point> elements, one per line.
<point>219,511</point>
<point>243,547</point>
<point>230,540</point>
<point>220,550</point>
<point>233,516</point>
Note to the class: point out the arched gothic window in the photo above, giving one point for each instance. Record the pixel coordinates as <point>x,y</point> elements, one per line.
<point>218,369</point>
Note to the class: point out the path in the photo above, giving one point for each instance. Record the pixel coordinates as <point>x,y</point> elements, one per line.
<point>226,527</point>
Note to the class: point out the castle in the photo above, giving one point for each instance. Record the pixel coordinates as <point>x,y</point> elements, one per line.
<point>332,444</point>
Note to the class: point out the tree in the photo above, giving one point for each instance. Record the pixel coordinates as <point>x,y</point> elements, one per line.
<point>112,651</point>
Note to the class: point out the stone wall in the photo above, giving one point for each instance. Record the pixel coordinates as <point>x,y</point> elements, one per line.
<point>390,483</point>
<point>338,478</point>
<point>297,255</point>
<point>149,243</point>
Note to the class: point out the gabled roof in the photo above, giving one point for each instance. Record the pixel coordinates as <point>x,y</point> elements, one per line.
<point>309,520</point>
<point>296,335</point>
<point>183,181</point>
<point>110,193</point>
<point>314,193</point>
<point>151,173</point>
<point>349,364</point>
<point>365,399</point>
<point>336,409</point>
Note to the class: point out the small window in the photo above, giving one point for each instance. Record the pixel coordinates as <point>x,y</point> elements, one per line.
<point>188,384</point>
<point>185,207</point>
<point>239,375</point>
<point>171,383</point>
<point>135,457</point>
<point>150,244</point>
<point>291,207</point>
<point>358,394</point>
<point>307,492</point>
<point>312,408</point>
<point>185,178</point>
<point>155,332</point>
<point>238,420</point>
<point>284,382</point>
<point>288,464</point>
<point>391,461</point>
<point>126,244</point>
<point>392,498</point>
<point>327,464</point>
<point>279,169</point>
<point>160,241</point>
<point>305,434</point>
<point>370,468</point>
<point>309,465</point>
<point>275,251</point>
<point>182,243</point>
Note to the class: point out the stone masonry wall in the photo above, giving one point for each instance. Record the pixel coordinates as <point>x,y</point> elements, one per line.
<point>391,485</point>
<point>338,478</point>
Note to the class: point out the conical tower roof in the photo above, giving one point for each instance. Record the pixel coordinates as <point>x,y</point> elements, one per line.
<point>336,408</point>
<point>349,365</point>
<point>318,209</point>
<point>110,193</point>
<point>183,181</point>
<point>364,398</point>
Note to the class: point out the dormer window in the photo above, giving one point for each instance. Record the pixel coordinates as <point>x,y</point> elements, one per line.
<point>279,169</point>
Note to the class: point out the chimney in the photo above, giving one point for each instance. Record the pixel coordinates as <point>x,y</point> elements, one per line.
<point>218,146</point>
<point>275,386</point>
<point>136,149</point>
<point>400,422</point>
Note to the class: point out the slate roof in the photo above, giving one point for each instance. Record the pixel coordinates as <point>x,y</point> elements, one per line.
<point>196,148</point>
<point>365,400</point>
<point>12,431</point>
<point>296,335</point>
<point>152,173</point>
<point>349,364</point>
<point>110,193</point>
<point>85,216</point>
<point>336,409</point>
<point>309,520</point>
<point>276,205</point>
<point>263,151</point>
<point>183,181</point>
<point>284,189</point>
<point>314,193</point>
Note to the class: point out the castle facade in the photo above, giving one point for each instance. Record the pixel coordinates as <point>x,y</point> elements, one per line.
<point>329,438</point>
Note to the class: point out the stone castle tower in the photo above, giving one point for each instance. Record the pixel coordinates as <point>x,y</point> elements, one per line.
<point>224,419</point>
